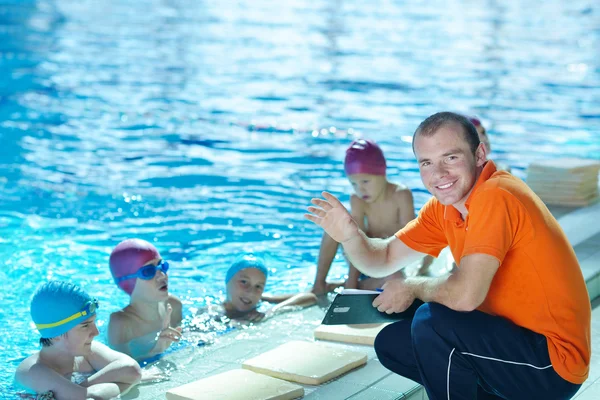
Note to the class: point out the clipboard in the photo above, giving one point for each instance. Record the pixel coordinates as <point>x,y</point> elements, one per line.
<point>354,306</point>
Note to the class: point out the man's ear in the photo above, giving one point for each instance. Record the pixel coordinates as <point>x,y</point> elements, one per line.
<point>480,155</point>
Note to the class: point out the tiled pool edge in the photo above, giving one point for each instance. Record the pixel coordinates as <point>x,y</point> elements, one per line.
<point>373,381</point>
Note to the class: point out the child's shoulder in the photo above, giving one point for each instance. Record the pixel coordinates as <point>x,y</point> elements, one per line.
<point>121,317</point>
<point>397,187</point>
<point>28,363</point>
<point>399,190</point>
<point>174,299</point>
<point>29,369</point>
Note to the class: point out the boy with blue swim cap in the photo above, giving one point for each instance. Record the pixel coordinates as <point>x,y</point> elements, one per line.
<point>245,281</point>
<point>71,364</point>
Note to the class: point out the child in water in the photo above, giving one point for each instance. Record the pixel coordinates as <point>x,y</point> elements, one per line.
<point>245,282</point>
<point>71,364</point>
<point>381,208</point>
<point>151,322</point>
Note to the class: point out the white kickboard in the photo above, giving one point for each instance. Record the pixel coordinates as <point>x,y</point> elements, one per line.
<point>357,334</point>
<point>237,384</point>
<point>306,362</point>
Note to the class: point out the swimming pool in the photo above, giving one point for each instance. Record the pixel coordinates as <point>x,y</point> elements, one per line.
<point>207,128</point>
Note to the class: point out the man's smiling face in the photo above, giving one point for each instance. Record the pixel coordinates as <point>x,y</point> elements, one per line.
<point>448,167</point>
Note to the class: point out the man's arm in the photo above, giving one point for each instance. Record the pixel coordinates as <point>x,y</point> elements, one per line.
<point>379,258</point>
<point>374,257</point>
<point>462,290</point>
<point>111,366</point>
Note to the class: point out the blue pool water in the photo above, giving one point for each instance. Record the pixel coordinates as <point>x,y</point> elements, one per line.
<point>206,127</point>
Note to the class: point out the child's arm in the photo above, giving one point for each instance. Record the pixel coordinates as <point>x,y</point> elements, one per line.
<point>406,207</point>
<point>121,338</point>
<point>358,214</point>
<point>40,379</point>
<point>327,253</point>
<point>177,314</point>
<point>280,298</point>
<point>111,367</point>
<point>297,300</point>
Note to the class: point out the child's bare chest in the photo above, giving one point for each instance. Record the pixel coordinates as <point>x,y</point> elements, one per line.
<point>381,221</point>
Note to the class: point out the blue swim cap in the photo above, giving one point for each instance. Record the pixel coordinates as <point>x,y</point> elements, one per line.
<point>246,261</point>
<point>57,306</point>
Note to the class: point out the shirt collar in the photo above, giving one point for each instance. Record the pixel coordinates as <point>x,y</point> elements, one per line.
<point>451,213</point>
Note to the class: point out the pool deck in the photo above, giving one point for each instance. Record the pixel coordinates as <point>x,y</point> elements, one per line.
<point>372,381</point>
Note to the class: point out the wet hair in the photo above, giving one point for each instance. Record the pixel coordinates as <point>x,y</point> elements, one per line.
<point>46,342</point>
<point>433,123</point>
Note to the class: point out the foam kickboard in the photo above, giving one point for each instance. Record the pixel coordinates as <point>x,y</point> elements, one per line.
<point>306,362</point>
<point>237,384</point>
<point>566,164</point>
<point>571,203</point>
<point>357,334</point>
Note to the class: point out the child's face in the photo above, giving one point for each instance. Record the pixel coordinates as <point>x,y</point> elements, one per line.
<point>78,341</point>
<point>155,289</point>
<point>367,187</point>
<point>245,289</point>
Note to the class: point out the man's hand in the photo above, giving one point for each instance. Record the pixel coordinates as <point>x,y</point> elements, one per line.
<point>167,335</point>
<point>396,297</point>
<point>333,217</point>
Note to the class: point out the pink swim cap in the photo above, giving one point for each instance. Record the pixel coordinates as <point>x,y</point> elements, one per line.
<point>129,256</point>
<point>364,157</point>
<point>474,120</point>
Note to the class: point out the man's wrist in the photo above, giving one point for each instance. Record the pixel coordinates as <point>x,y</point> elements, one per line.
<point>353,238</point>
<point>412,285</point>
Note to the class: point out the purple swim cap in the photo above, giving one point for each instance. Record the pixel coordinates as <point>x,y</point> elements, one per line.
<point>129,256</point>
<point>364,157</point>
<point>474,120</point>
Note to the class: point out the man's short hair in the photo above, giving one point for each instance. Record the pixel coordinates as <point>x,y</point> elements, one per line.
<point>46,342</point>
<point>433,123</point>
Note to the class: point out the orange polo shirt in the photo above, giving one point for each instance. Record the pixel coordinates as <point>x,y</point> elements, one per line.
<point>539,284</point>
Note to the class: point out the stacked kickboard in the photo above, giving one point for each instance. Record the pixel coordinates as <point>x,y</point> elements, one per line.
<point>565,182</point>
<point>306,362</point>
<point>356,334</point>
<point>269,376</point>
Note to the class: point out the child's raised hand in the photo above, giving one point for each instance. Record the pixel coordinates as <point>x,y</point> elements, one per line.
<point>333,217</point>
<point>167,335</point>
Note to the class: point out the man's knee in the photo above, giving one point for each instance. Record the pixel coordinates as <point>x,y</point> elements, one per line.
<point>385,339</point>
<point>393,341</point>
<point>394,350</point>
<point>430,318</point>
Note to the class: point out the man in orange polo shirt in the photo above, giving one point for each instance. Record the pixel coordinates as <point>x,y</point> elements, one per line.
<point>513,320</point>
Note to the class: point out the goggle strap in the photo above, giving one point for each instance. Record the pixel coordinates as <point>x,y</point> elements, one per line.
<point>68,319</point>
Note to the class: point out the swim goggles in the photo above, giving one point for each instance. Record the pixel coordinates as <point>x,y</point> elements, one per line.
<point>147,272</point>
<point>89,309</point>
